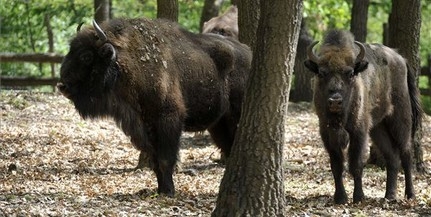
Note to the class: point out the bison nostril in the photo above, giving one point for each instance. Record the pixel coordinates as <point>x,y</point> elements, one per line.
<point>335,102</point>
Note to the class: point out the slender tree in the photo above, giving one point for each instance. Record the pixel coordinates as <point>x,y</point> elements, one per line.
<point>253,183</point>
<point>167,9</point>
<point>404,34</point>
<point>101,10</point>
<point>358,23</point>
<point>211,9</point>
<point>302,81</point>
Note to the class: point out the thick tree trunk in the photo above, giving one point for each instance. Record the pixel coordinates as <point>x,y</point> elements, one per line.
<point>404,34</point>
<point>253,183</point>
<point>101,10</point>
<point>211,9</point>
<point>302,80</point>
<point>167,9</point>
<point>358,24</point>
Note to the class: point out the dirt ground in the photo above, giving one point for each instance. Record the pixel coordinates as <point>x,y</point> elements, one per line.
<point>54,163</point>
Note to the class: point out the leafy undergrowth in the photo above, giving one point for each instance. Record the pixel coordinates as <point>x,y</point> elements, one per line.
<point>53,163</point>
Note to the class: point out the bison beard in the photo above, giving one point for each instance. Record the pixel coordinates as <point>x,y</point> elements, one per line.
<point>156,80</point>
<point>360,90</point>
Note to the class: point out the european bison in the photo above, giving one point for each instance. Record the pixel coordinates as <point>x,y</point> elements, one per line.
<point>361,90</point>
<point>225,24</point>
<point>156,80</point>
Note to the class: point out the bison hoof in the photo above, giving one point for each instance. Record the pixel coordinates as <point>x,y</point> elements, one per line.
<point>411,195</point>
<point>340,198</point>
<point>358,196</point>
<point>166,192</point>
<point>390,196</point>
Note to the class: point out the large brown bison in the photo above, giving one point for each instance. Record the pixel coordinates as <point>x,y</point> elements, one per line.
<point>360,90</point>
<point>225,24</point>
<point>156,80</point>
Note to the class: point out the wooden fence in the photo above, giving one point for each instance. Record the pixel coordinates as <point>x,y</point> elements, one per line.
<point>13,82</point>
<point>426,71</point>
<point>18,82</point>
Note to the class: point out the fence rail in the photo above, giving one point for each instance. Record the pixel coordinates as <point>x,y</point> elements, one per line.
<point>31,57</point>
<point>57,58</point>
<point>426,71</point>
<point>13,82</point>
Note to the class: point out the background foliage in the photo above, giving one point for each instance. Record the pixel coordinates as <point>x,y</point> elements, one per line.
<point>22,28</point>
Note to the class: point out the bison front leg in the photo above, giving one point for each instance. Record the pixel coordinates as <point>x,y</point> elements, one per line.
<point>357,150</point>
<point>335,141</point>
<point>167,135</point>
<point>337,159</point>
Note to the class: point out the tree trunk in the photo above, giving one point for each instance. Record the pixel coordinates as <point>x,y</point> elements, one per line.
<point>47,23</point>
<point>248,19</point>
<point>211,9</point>
<point>253,183</point>
<point>358,24</point>
<point>101,10</point>
<point>404,33</point>
<point>167,9</point>
<point>302,80</point>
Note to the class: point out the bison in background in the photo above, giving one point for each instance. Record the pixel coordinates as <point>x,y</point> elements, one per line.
<point>362,90</point>
<point>156,80</point>
<point>225,24</point>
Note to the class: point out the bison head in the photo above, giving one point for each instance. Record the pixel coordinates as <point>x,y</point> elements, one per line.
<point>89,69</point>
<point>226,24</point>
<point>337,69</point>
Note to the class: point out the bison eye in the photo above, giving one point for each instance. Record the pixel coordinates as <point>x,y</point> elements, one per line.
<point>322,73</point>
<point>350,73</point>
<point>86,57</point>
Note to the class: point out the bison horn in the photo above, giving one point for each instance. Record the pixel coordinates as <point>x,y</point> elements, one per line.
<point>311,54</point>
<point>99,31</point>
<point>361,54</point>
<point>79,27</point>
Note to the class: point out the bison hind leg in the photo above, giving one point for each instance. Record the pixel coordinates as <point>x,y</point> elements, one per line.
<point>406,162</point>
<point>223,135</point>
<point>383,140</point>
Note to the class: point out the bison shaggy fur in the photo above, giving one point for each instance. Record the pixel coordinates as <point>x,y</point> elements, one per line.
<point>364,90</point>
<point>156,80</point>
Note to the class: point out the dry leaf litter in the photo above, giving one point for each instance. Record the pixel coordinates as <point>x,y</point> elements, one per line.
<point>54,163</point>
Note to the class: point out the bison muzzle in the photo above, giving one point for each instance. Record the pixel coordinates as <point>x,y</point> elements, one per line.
<point>364,90</point>
<point>157,80</point>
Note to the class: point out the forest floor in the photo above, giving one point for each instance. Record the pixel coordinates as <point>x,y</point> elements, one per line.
<point>54,163</point>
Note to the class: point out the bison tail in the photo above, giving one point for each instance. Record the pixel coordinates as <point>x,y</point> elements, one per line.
<point>414,100</point>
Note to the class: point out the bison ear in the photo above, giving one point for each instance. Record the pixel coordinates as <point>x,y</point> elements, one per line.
<point>361,66</point>
<point>312,66</point>
<point>107,52</point>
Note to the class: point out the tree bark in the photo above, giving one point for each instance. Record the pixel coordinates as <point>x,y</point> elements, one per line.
<point>302,80</point>
<point>167,9</point>
<point>253,183</point>
<point>248,19</point>
<point>358,24</point>
<point>101,10</point>
<point>404,34</point>
<point>211,9</point>
<point>47,23</point>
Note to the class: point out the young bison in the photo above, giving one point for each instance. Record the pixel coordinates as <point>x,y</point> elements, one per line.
<point>360,90</point>
<point>225,24</point>
<point>156,80</point>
